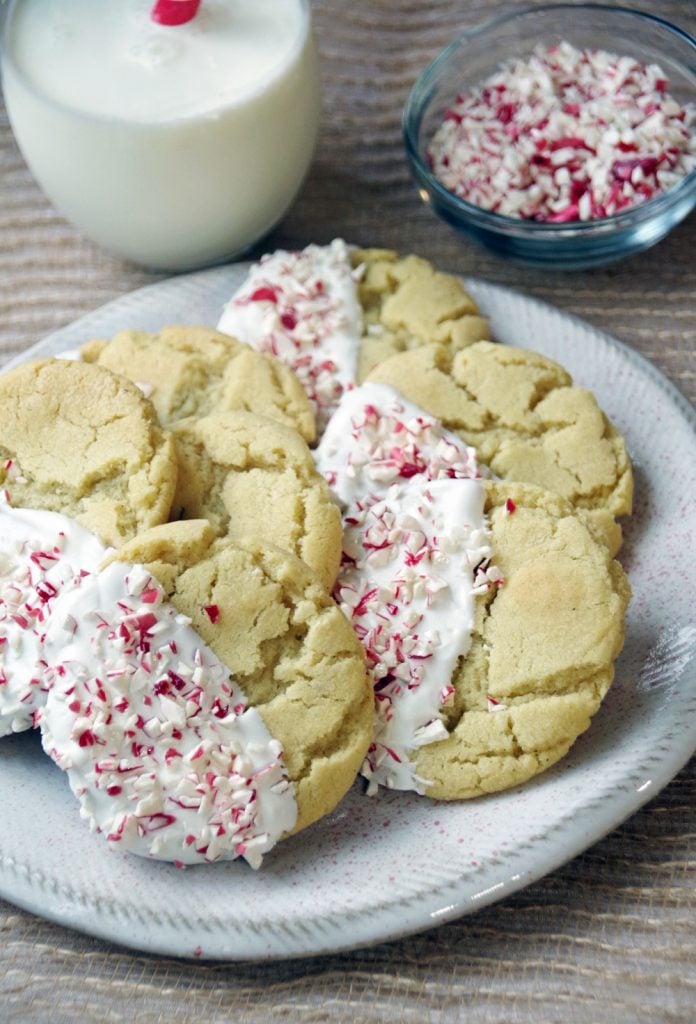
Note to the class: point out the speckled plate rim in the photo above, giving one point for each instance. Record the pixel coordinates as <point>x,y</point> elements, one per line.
<point>550,842</point>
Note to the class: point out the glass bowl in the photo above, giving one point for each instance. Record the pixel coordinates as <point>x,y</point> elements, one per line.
<point>477,54</point>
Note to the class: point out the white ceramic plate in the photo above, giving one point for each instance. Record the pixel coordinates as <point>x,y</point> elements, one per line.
<point>381,868</point>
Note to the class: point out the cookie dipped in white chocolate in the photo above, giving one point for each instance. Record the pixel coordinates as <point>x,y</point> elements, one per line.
<point>413,563</point>
<point>42,556</point>
<point>303,308</point>
<point>159,746</point>
<point>376,438</point>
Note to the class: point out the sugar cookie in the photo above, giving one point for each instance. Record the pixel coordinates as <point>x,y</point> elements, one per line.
<point>194,371</point>
<point>133,699</point>
<point>526,420</point>
<point>303,308</point>
<point>255,481</point>
<point>83,441</point>
<point>542,654</point>
<point>408,304</point>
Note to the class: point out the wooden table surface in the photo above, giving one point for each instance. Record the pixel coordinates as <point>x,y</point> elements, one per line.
<point>610,937</point>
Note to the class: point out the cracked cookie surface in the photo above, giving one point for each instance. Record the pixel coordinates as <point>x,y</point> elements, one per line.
<point>285,642</point>
<point>194,371</point>
<point>83,441</point>
<point>407,304</point>
<point>542,654</point>
<point>255,481</point>
<point>527,421</point>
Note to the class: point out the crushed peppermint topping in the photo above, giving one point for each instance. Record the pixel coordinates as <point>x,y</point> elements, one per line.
<point>212,611</point>
<point>12,472</point>
<point>565,135</point>
<point>303,308</point>
<point>377,438</point>
<point>42,556</point>
<point>159,745</point>
<point>413,560</point>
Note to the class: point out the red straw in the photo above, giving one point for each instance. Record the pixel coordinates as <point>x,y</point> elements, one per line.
<point>174,12</point>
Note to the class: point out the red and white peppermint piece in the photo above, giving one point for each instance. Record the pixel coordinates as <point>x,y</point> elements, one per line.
<point>303,308</point>
<point>174,12</point>
<point>565,135</point>
<point>42,556</point>
<point>157,740</point>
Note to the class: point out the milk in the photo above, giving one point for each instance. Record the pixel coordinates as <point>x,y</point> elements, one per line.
<point>173,146</point>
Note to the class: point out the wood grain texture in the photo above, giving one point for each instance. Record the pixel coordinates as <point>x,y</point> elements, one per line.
<point>610,937</point>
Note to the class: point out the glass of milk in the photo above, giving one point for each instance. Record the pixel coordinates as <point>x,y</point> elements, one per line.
<point>173,146</point>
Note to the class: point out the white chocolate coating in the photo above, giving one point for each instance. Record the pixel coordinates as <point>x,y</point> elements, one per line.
<point>303,308</point>
<point>376,437</point>
<point>415,554</point>
<point>156,738</point>
<point>413,562</point>
<point>42,556</point>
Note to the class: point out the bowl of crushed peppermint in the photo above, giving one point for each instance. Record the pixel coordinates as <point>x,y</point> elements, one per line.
<point>562,135</point>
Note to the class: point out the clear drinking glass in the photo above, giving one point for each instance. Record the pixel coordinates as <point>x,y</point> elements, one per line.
<point>171,192</point>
